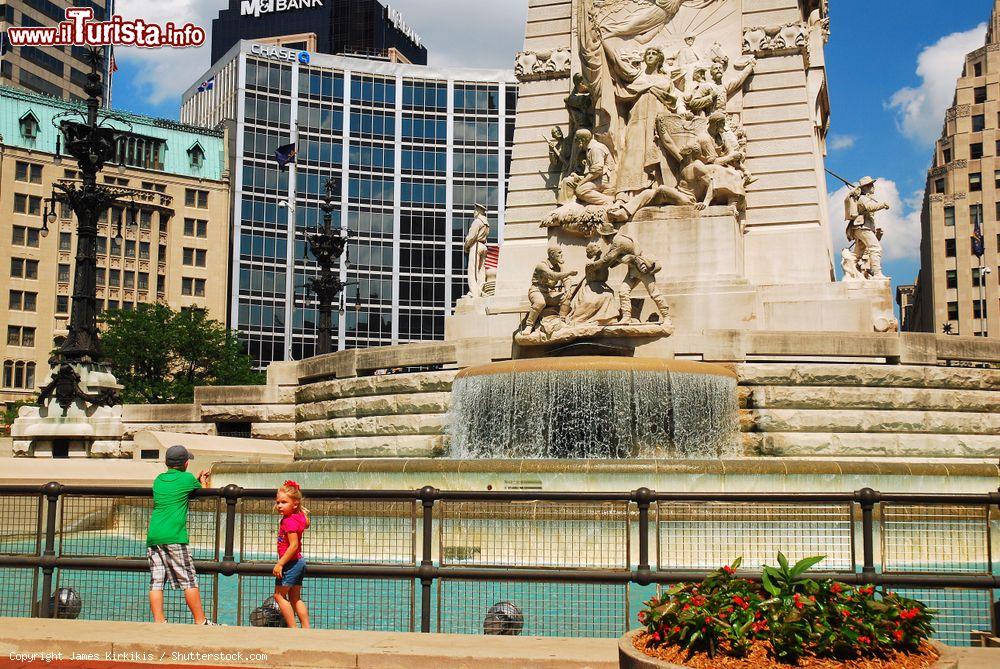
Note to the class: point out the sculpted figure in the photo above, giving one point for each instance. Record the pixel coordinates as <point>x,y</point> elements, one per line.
<point>861,207</point>
<point>725,90</point>
<point>711,182</point>
<point>688,59</point>
<point>849,263</point>
<point>559,151</point>
<point>548,289</point>
<point>702,96</point>
<point>475,248</point>
<point>623,250</point>
<point>642,162</point>
<point>592,300</point>
<point>727,148</point>
<point>607,29</point>
<point>591,186</point>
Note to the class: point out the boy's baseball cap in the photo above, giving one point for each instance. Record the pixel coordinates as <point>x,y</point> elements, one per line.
<point>177,456</point>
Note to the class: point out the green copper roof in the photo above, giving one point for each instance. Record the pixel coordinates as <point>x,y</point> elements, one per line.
<point>16,103</point>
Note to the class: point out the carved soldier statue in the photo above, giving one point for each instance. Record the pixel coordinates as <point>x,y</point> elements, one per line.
<point>623,250</point>
<point>860,209</point>
<point>548,288</point>
<point>476,249</point>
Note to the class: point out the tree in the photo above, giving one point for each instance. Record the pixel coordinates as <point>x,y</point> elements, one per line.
<point>159,355</point>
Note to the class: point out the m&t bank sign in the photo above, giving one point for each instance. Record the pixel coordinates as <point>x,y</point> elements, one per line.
<point>257,8</point>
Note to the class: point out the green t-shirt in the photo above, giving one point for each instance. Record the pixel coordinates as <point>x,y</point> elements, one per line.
<point>168,524</point>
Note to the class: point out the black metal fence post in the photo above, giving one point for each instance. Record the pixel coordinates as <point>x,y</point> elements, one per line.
<point>51,491</point>
<point>232,494</point>
<point>643,497</point>
<point>867,498</point>
<point>428,495</point>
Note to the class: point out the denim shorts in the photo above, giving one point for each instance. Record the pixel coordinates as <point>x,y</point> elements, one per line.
<point>292,574</point>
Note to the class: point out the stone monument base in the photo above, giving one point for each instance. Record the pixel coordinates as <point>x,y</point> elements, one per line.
<point>80,430</point>
<point>704,278</point>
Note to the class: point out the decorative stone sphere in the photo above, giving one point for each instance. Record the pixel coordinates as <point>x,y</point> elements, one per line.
<point>64,603</point>
<point>267,615</point>
<point>503,619</point>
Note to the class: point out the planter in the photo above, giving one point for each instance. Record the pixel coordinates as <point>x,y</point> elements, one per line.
<point>629,657</point>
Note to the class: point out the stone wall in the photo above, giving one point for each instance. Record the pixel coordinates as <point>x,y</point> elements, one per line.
<point>374,416</point>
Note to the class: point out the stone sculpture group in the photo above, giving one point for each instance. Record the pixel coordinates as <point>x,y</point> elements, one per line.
<point>646,128</point>
<point>650,125</point>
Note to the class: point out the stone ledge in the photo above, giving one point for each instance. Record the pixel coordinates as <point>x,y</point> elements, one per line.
<point>372,426</point>
<point>312,649</point>
<point>870,421</point>
<point>378,405</point>
<point>899,376</point>
<point>804,445</point>
<point>393,384</point>
<point>833,397</point>
<point>250,413</point>
<point>403,446</point>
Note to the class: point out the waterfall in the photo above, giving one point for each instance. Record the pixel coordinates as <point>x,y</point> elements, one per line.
<point>593,412</point>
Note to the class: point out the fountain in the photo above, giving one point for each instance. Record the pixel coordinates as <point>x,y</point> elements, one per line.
<point>594,407</point>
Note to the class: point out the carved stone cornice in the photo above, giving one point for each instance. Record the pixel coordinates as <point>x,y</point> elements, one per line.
<point>539,65</point>
<point>779,40</point>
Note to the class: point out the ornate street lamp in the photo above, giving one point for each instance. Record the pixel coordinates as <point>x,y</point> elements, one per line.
<point>92,144</point>
<point>327,246</point>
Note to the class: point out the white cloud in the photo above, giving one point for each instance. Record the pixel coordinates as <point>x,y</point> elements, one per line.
<point>841,142</point>
<point>444,25</point>
<point>901,223</point>
<point>163,74</point>
<point>920,111</point>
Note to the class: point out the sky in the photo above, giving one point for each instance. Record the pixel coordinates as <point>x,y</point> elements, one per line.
<point>891,77</point>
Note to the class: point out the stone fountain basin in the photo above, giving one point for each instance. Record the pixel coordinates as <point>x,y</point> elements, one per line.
<point>630,657</point>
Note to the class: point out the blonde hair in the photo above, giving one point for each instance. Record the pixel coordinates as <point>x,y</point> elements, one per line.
<point>294,491</point>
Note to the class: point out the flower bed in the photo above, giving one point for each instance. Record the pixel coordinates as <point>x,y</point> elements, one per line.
<point>787,619</point>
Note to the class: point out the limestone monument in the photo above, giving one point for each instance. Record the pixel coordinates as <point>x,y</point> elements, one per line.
<point>696,129</point>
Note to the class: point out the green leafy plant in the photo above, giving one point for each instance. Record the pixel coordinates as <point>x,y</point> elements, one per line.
<point>793,615</point>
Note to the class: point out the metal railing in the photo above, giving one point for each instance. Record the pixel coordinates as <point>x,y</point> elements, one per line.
<point>574,564</point>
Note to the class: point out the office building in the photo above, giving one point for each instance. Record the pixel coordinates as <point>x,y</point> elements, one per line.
<point>59,71</point>
<point>958,292</point>
<point>172,254</point>
<point>364,28</point>
<point>411,149</point>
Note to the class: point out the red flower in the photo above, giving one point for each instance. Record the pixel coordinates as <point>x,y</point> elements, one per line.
<point>898,635</point>
<point>677,630</point>
<point>909,614</point>
<point>708,619</point>
<point>729,570</point>
<point>864,639</point>
<point>836,588</point>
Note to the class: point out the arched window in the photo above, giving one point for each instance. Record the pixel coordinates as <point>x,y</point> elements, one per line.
<point>8,374</point>
<point>19,374</point>
<point>29,376</point>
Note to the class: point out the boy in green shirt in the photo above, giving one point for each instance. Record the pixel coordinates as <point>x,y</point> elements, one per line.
<point>167,539</point>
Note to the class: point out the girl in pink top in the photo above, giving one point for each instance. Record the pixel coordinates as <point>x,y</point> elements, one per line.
<point>290,568</point>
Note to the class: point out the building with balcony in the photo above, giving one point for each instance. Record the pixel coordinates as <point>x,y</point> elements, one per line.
<point>171,253</point>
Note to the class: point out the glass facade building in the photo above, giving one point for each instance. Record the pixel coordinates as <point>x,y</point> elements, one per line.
<point>411,149</point>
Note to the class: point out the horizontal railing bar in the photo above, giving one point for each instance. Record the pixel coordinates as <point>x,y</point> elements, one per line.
<point>429,493</point>
<point>562,575</point>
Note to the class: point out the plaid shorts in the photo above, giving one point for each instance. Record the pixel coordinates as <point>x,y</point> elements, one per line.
<point>171,563</point>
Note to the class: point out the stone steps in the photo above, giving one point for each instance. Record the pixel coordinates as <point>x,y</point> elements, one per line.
<point>892,376</point>
<point>877,421</point>
<point>805,445</point>
<point>868,398</point>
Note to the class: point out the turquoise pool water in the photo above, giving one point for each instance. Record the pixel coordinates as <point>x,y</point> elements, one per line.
<point>549,609</point>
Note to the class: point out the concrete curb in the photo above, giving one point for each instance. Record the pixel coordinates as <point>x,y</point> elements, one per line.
<point>296,649</point>
<point>632,658</point>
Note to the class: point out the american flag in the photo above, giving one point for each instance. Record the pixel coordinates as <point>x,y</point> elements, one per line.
<point>978,241</point>
<point>492,256</point>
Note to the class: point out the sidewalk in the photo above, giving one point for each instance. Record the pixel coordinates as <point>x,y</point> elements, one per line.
<point>114,645</point>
